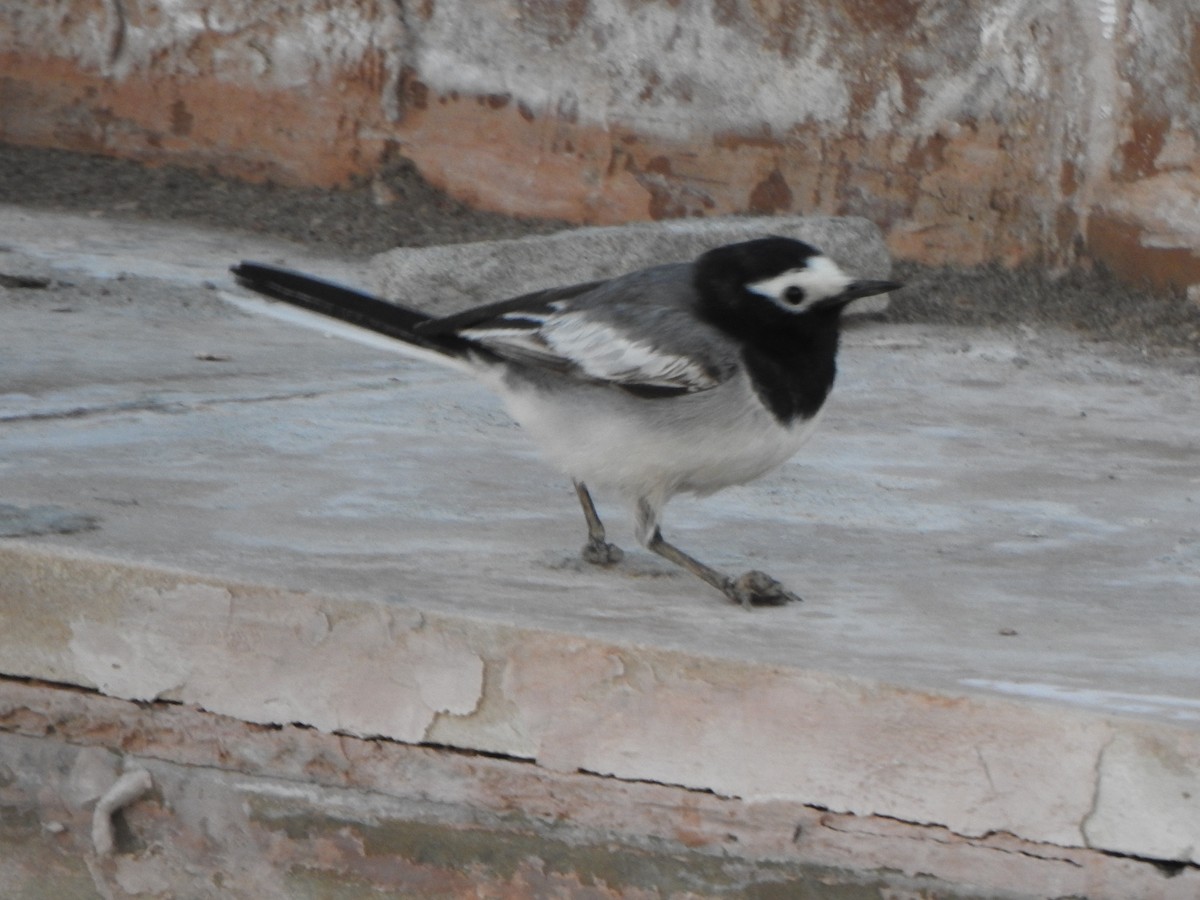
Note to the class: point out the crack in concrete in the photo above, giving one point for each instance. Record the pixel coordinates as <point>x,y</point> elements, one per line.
<point>987,771</point>
<point>626,779</point>
<point>178,407</point>
<point>929,832</point>
<point>1094,806</point>
<point>1168,868</point>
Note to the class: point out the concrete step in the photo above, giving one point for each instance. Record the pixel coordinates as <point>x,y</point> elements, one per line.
<point>996,536</point>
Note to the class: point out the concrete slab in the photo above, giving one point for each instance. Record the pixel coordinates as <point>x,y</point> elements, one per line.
<point>449,277</point>
<point>996,537</point>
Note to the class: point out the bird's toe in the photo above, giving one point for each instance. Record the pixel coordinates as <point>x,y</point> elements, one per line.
<point>759,589</point>
<point>601,553</point>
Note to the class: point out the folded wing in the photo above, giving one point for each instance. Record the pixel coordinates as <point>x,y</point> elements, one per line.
<point>636,332</point>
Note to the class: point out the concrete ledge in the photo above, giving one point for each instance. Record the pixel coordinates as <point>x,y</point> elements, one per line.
<point>451,277</point>
<point>974,765</point>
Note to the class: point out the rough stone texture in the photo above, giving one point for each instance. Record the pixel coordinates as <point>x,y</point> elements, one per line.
<point>244,811</point>
<point>454,276</point>
<point>984,131</point>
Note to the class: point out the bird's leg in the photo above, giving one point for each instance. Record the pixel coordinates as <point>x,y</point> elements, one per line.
<point>597,550</point>
<point>754,588</point>
<point>751,589</point>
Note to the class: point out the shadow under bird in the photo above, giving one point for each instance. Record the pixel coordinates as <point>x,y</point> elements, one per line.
<point>686,377</point>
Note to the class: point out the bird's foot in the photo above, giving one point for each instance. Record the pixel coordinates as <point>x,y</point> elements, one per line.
<point>601,553</point>
<point>758,589</point>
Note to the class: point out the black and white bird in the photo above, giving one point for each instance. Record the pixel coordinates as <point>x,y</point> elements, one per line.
<point>679,378</point>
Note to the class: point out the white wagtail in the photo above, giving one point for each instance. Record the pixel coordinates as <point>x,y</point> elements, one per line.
<point>687,377</point>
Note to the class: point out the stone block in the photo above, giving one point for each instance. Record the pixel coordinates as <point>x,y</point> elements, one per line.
<point>450,277</point>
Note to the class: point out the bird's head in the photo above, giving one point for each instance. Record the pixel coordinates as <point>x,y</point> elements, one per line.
<point>784,274</point>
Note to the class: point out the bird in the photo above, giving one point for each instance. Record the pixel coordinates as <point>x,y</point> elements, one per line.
<point>684,377</point>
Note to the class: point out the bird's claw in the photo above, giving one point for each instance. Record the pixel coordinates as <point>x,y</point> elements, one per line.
<point>758,589</point>
<point>601,553</point>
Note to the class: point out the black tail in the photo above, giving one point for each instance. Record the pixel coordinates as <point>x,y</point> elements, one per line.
<point>343,303</point>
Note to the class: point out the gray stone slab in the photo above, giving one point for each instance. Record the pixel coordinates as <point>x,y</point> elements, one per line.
<point>452,277</point>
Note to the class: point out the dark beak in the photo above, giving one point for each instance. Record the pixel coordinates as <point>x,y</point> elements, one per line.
<point>856,290</point>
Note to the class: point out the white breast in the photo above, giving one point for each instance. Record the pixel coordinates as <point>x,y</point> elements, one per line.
<point>693,443</point>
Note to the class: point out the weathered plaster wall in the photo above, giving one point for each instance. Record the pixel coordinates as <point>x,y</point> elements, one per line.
<point>970,132</point>
<point>278,813</point>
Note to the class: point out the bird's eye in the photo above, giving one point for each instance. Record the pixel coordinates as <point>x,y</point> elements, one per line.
<point>794,295</point>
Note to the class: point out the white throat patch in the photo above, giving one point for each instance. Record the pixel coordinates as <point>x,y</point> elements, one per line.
<point>819,279</point>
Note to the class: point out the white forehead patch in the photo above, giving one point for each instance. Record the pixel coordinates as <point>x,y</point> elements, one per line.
<point>819,279</point>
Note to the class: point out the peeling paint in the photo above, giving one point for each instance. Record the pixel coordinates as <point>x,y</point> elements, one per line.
<point>1146,794</point>
<point>136,656</point>
<point>271,661</point>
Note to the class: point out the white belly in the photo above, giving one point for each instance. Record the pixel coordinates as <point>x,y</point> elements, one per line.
<point>655,448</point>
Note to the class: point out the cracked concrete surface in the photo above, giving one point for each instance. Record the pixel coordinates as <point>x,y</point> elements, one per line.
<point>995,534</point>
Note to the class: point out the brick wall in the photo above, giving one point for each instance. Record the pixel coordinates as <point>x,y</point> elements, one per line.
<point>972,132</point>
